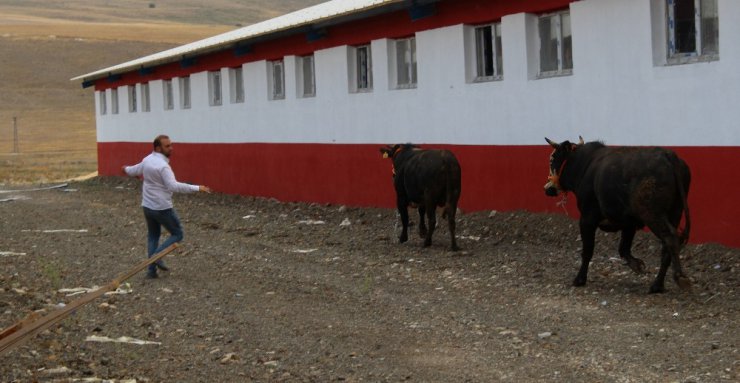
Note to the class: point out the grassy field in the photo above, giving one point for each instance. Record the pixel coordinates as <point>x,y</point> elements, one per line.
<point>45,43</point>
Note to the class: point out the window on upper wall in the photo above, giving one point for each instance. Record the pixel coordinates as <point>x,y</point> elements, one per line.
<point>145,104</point>
<point>693,30</point>
<point>236,84</point>
<point>556,45</point>
<point>404,58</point>
<point>214,88</point>
<point>276,80</point>
<point>489,64</point>
<point>185,92</point>
<point>103,103</point>
<point>169,102</point>
<point>306,76</point>
<point>132,98</point>
<point>114,101</point>
<point>360,69</point>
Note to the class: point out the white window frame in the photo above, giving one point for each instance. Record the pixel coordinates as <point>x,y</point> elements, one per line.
<point>700,51</point>
<point>132,104</point>
<point>360,69</point>
<point>481,59</point>
<point>114,100</point>
<point>215,88</point>
<point>305,76</point>
<point>169,96</point>
<point>146,105</point>
<point>236,85</point>
<point>103,102</point>
<point>404,70</point>
<point>185,99</point>
<point>564,55</point>
<point>276,79</point>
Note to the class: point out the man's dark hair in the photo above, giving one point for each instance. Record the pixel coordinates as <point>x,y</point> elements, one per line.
<point>158,140</point>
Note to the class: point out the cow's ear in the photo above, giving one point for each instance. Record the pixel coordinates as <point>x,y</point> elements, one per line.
<point>552,143</point>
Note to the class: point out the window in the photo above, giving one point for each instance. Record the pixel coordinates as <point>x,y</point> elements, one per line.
<point>103,105</point>
<point>556,46</point>
<point>360,69</point>
<point>693,30</point>
<point>405,63</point>
<point>276,80</point>
<point>169,103</point>
<point>488,56</point>
<point>185,92</point>
<point>214,88</point>
<point>236,84</point>
<point>145,104</point>
<point>306,76</point>
<point>132,98</point>
<point>114,101</point>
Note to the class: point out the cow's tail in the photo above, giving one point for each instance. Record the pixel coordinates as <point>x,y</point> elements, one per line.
<point>683,192</point>
<point>453,190</point>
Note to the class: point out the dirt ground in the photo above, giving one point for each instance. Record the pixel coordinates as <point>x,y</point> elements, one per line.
<point>264,291</point>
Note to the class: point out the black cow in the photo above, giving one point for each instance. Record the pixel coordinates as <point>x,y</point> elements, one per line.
<point>427,179</point>
<point>625,188</point>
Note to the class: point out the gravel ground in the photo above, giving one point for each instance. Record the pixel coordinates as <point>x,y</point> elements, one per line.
<point>266,291</point>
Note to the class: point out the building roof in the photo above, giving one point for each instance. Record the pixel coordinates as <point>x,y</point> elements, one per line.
<point>323,13</point>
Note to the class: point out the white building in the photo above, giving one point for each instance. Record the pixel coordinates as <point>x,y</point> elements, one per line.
<point>296,107</point>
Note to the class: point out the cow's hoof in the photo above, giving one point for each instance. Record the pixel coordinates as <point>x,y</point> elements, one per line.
<point>423,232</point>
<point>427,243</point>
<point>578,282</point>
<point>657,288</point>
<point>403,239</point>
<point>683,282</point>
<point>455,248</point>
<point>637,265</point>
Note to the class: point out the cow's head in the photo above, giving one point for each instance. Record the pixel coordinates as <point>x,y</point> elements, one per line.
<point>559,157</point>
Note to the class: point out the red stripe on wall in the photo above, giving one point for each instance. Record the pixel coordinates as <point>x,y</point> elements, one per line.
<point>494,177</point>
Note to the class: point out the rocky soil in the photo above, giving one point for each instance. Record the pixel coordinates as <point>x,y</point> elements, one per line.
<point>268,291</point>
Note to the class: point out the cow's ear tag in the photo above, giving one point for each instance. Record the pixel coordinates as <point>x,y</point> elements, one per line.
<point>385,155</point>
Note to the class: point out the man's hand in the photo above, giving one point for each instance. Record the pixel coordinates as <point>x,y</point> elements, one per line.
<point>123,169</point>
<point>204,188</point>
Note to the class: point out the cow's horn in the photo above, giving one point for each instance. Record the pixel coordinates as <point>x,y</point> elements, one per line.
<point>580,140</point>
<point>553,144</point>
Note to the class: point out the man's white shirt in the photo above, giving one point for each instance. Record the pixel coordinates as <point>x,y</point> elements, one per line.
<point>159,181</point>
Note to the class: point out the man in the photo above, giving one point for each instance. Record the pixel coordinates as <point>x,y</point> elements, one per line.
<point>159,184</point>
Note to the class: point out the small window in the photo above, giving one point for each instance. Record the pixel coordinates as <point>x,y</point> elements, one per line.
<point>145,104</point>
<point>114,101</point>
<point>693,30</point>
<point>306,77</point>
<point>236,84</point>
<point>556,47</point>
<point>214,88</point>
<point>276,80</point>
<point>488,56</point>
<point>132,98</point>
<point>405,58</point>
<point>185,92</point>
<point>103,103</point>
<point>169,103</point>
<point>360,69</point>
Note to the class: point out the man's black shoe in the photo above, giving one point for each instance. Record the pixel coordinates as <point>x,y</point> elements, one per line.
<point>162,266</point>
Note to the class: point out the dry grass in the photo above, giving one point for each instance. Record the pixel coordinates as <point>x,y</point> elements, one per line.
<point>43,44</point>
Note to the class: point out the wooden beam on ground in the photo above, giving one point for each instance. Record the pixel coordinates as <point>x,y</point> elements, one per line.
<point>18,333</point>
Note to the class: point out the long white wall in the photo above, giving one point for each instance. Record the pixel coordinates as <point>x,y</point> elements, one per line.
<point>619,92</point>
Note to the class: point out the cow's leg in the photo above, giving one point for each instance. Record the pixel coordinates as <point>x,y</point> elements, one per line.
<point>625,251</point>
<point>404,212</point>
<point>422,222</point>
<point>588,237</point>
<point>669,254</point>
<point>431,210</point>
<point>450,210</point>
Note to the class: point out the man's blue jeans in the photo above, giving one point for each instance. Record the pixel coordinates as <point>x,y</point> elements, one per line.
<point>155,219</point>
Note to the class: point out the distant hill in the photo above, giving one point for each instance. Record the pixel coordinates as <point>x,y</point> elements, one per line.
<point>211,12</point>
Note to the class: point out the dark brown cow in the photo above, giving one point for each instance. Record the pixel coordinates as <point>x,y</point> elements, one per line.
<point>625,189</point>
<point>427,179</point>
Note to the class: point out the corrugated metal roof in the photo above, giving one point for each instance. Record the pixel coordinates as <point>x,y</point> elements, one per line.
<point>311,15</point>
